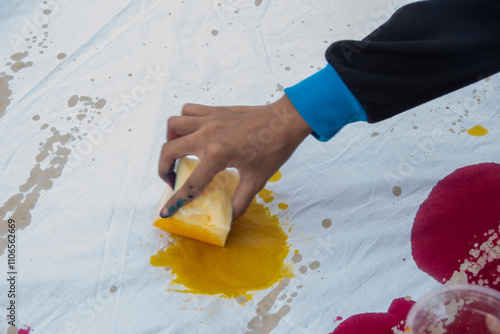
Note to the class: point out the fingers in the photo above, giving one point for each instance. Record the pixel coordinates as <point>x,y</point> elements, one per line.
<point>178,126</point>
<point>170,152</point>
<point>191,109</point>
<point>193,187</point>
<point>243,196</point>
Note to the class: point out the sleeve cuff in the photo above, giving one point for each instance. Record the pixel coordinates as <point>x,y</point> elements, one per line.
<point>325,103</point>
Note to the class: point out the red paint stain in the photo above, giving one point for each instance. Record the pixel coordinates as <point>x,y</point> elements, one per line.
<point>456,228</point>
<point>339,318</point>
<point>24,331</point>
<point>377,323</point>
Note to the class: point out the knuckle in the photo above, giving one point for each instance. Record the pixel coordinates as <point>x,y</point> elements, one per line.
<point>217,151</point>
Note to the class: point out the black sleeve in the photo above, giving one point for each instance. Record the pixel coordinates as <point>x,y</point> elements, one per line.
<point>425,50</point>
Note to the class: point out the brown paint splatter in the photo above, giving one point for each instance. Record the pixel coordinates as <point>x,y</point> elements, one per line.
<point>19,206</point>
<point>61,55</point>
<point>303,270</point>
<point>5,92</point>
<point>258,2</point>
<point>12,330</point>
<point>296,258</point>
<point>314,265</point>
<point>113,289</point>
<point>19,55</point>
<point>16,67</point>
<point>36,118</point>
<point>375,134</point>
<point>215,32</point>
<point>396,191</point>
<point>264,322</point>
<point>73,101</point>
<point>241,299</point>
<point>326,223</point>
<point>47,11</point>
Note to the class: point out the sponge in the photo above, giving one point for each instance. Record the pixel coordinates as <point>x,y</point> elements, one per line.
<point>208,218</point>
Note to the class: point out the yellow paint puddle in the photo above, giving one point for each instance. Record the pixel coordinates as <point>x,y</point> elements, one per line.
<point>477,131</point>
<point>266,195</point>
<point>253,258</point>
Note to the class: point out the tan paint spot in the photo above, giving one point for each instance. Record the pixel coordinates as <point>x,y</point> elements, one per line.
<point>44,126</point>
<point>81,116</point>
<point>36,118</point>
<point>18,56</point>
<point>215,32</point>
<point>296,258</point>
<point>396,191</point>
<point>16,67</point>
<point>241,299</point>
<point>113,289</point>
<point>61,56</point>
<point>375,134</point>
<point>265,321</point>
<point>314,265</point>
<point>19,206</point>
<point>73,101</point>
<point>258,2</point>
<point>303,270</point>
<point>47,11</point>
<point>326,223</point>
<point>5,92</point>
<point>12,330</point>
<point>100,103</point>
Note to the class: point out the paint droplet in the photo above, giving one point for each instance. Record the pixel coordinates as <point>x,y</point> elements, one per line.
<point>477,131</point>
<point>303,270</point>
<point>258,2</point>
<point>47,11</point>
<point>266,195</point>
<point>130,74</point>
<point>36,118</point>
<point>289,300</point>
<point>81,116</point>
<point>241,299</point>
<point>375,134</point>
<point>314,265</point>
<point>415,127</point>
<point>100,103</point>
<point>12,330</point>
<point>287,68</point>
<point>19,55</point>
<point>215,32</point>
<point>396,191</point>
<point>113,289</point>
<point>487,79</point>
<point>327,223</point>
<point>300,286</point>
<point>72,101</point>
<point>44,126</point>
<point>61,56</point>
<point>283,206</point>
<point>294,294</point>
<point>5,91</point>
<point>20,65</point>
<point>296,258</point>
<point>408,298</point>
<point>338,318</point>
<point>168,268</point>
<point>276,177</point>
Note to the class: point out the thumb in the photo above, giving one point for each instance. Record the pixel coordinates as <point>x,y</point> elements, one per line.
<point>191,189</point>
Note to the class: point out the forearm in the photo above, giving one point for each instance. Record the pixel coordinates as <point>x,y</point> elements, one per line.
<point>425,50</point>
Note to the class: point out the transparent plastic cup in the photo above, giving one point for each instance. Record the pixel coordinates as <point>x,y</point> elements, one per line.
<point>454,310</point>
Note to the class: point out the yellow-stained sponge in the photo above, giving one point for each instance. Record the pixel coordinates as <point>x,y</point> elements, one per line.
<point>207,218</point>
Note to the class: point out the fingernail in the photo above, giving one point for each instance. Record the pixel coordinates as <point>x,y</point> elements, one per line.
<point>164,212</point>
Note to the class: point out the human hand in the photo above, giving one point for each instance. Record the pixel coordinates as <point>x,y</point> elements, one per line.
<point>256,140</point>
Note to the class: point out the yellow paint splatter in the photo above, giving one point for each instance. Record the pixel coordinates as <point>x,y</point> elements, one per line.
<point>276,177</point>
<point>253,258</point>
<point>266,195</point>
<point>283,206</point>
<point>477,131</point>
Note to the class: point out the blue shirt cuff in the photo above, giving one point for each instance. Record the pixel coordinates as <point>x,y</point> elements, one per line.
<point>325,103</point>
